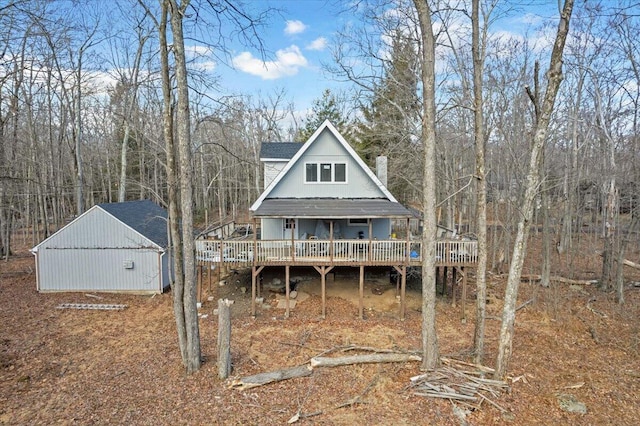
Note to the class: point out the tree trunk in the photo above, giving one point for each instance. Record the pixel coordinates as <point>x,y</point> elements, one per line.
<point>532,182</point>
<point>183,132</point>
<point>481,182</point>
<point>429,335</point>
<point>177,284</point>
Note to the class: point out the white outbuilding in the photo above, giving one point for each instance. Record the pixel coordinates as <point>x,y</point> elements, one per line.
<point>113,247</point>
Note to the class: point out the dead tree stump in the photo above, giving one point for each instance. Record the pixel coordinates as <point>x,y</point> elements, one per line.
<point>224,339</point>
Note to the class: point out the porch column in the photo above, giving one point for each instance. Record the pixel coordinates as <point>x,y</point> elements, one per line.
<point>330,242</point>
<point>370,251</point>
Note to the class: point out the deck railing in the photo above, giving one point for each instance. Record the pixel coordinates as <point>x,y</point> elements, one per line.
<point>336,252</point>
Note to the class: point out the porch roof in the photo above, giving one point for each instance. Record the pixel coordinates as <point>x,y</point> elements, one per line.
<point>331,208</point>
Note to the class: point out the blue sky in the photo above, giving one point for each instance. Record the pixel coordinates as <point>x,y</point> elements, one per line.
<point>298,41</point>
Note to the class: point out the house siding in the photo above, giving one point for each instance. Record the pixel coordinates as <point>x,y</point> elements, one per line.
<point>326,149</point>
<point>271,170</point>
<point>381,229</point>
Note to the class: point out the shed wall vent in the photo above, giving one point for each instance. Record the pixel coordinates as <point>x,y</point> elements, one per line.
<point>128,264</point>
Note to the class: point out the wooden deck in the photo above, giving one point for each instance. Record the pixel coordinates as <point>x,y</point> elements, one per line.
<point>332,253</point>
<point>324,255</point>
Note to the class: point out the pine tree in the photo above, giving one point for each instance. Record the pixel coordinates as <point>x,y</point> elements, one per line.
<point>388,122</point>
<point>325,108</point>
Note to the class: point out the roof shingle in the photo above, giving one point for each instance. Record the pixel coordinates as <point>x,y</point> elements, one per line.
<point>144,216</point>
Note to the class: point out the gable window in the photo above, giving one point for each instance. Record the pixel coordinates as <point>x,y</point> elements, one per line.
<point>325,173</point>
<point>340,172</point>
<point>311,172</point>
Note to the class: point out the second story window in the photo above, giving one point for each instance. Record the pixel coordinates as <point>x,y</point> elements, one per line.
<point>325,173</point>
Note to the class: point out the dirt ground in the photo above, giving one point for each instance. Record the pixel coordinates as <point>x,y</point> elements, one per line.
<point>68,366</point>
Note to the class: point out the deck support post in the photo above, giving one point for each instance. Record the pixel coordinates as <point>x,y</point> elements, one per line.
<point>361,283</point>
<point>287,287</point>
<point>402,270</point>
<point>464,293</point>
<point>255,271</point>
<point>454,282</point>
<point>445,278</point>
<point>209,274</point>
<point>199,273</point>
<point>323,271</point>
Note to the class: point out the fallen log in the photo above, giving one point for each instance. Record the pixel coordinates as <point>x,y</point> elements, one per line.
<point>558,279</point>
<point>626,262</point>
<point>271,377</point>
<point>363,359</point>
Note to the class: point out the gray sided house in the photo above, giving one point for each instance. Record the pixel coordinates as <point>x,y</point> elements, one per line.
<point>322,187</point>
<point>115,247</point>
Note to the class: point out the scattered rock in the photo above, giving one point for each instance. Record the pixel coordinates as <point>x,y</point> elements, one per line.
<point>222,283</point>
<point>243,290</point>
<point>570,404</point>
<point>293,294</point>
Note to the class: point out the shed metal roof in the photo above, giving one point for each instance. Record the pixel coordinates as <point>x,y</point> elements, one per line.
<point>279,150</point>
<point>144,216</point>
<point>323,208</point>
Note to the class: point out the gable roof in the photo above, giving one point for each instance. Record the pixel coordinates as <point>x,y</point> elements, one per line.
<point>325,126</point>
<point>144,216</point>
<point>279,151</point>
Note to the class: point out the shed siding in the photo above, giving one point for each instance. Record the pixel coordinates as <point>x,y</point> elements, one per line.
<point>99,270</point>
<point>326,149</point>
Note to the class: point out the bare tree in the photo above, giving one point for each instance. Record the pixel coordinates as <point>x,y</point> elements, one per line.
<point>481,182</point>
<point>531,189</point>
<point>429,336</point>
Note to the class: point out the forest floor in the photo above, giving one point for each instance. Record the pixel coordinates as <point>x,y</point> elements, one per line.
<point>64,366</point>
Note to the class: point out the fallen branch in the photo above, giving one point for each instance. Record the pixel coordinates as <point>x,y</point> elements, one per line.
<point>558,279</point>
<point>363,359</point>
<point>358,399</point>
<point>459,385</point>
<point>625,262</point>
<point>272,376</point>
<point>299,416</point>
<point>528,302</point>
<point>450,361</point>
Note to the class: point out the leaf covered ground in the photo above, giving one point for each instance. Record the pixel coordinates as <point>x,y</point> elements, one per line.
<point>122,367</point>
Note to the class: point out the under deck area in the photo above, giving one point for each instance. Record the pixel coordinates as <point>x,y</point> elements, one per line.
<point>325,255</point>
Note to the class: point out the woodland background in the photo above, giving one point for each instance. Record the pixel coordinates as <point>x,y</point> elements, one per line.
<point>67,142</point>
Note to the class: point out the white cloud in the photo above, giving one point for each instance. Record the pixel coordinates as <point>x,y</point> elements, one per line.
<point>287,63</point>
<point>193,51</point>
<point>294,27</point>
<point>318,44</point>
